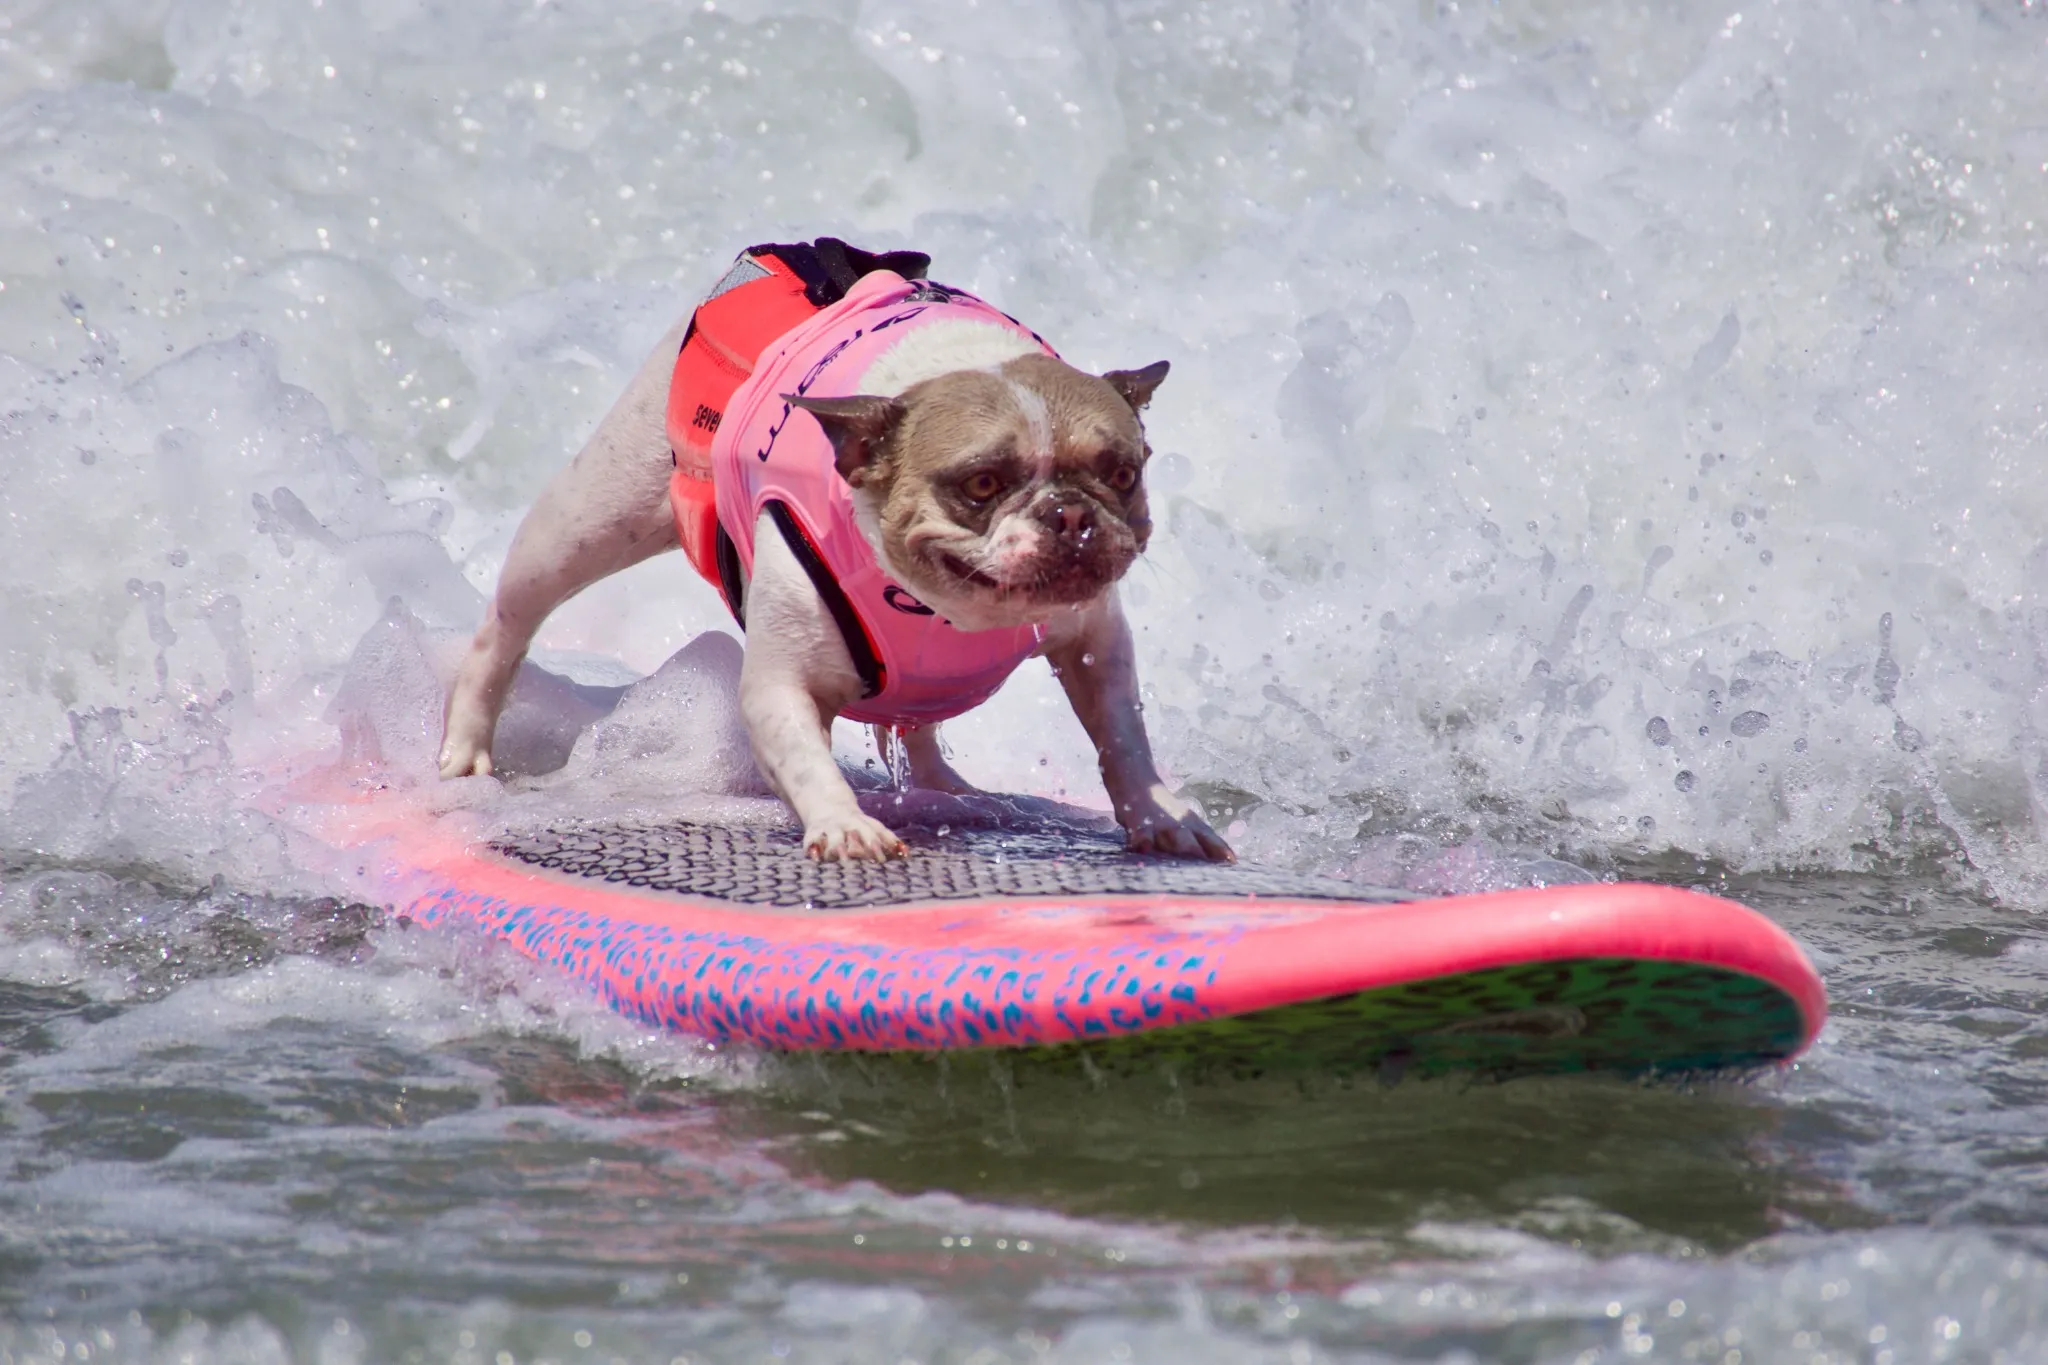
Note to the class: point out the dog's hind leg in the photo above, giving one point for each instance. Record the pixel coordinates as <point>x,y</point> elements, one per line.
<point>606,512</point>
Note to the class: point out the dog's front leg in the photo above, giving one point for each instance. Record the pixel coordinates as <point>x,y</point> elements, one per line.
<point>1092,655</point>
<point>796,677</point>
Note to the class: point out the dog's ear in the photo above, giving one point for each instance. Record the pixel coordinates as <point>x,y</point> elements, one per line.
<point>1136,386</point>
<point>856,425</point>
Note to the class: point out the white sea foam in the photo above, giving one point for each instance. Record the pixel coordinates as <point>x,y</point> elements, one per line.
<point>1587,433</point>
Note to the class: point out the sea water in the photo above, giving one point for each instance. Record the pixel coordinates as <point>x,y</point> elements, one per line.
<point>1603,440</point>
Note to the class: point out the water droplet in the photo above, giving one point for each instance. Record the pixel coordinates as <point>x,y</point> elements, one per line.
<point>1749,723</point>
<point>1885,676</point>
<point>1684,780</point>
<point>1659,731</point>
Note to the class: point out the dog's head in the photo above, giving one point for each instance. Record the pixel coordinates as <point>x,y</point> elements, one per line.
<point>1001,495</point>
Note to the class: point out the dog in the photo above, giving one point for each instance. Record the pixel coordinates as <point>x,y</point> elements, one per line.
<point>902,494</point>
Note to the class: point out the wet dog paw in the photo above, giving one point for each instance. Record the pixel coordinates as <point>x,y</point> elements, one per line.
<point>1184,836</point>
<point>852,838</point>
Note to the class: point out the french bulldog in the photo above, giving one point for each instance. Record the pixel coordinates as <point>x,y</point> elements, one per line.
<point>998,490</point>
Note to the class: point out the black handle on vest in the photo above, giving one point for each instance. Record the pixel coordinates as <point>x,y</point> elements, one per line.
<point>829,267</point>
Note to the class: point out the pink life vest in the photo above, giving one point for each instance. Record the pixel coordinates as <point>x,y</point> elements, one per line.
<point>766,455</point>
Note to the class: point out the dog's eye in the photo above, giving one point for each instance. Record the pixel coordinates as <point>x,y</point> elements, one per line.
<point>982,485</point>
<point>1124,478</point>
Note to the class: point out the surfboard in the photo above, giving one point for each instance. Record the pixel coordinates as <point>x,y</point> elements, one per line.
<point>1054,945</point>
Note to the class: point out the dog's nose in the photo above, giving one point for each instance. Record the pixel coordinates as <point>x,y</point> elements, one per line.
<point>1072,520</point>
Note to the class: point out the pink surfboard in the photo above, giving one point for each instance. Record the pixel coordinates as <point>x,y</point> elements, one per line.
<point>1053,943</point>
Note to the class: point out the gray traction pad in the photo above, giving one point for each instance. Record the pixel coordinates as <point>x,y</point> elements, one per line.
<point>766,867</point>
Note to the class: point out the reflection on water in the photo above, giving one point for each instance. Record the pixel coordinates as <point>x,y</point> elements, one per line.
<point>1602,1163</point>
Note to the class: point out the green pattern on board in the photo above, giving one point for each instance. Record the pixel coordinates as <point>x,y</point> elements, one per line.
<point>1590,1014</point>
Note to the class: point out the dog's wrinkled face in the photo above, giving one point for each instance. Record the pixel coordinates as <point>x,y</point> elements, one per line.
<point>999,496</point>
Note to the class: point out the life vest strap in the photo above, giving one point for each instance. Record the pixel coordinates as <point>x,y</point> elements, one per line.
<point>867,660</point>
<point>732,576</point>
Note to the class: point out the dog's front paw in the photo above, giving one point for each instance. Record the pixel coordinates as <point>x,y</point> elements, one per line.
<point>1177,836</point>
<point>852,838</point>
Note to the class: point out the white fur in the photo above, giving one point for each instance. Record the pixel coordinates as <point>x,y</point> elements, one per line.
<point>943,347</point>
<point>1037,419</point>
